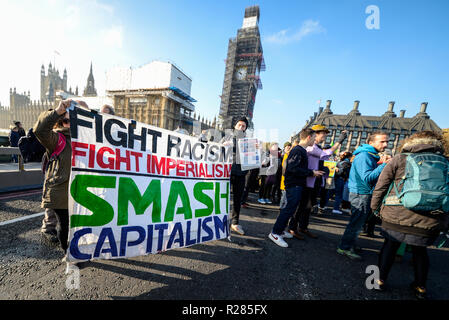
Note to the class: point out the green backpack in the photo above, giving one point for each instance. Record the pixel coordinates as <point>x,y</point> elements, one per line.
<point>425,184</point>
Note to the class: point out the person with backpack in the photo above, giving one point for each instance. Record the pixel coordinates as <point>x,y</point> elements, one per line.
<point>412,194</point>
<point>15,133</point>
<point>30,147</point>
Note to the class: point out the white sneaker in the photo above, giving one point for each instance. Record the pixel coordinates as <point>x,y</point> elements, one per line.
<point>268,201</point>
<point>237,228</point>
<point>278,240</point>
<point>337,212</point>
<point>286,235</point>
<point>262,201</point>
<point>348,211</point>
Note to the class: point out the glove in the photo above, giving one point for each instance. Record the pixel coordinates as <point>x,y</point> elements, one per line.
<point>342,137</point>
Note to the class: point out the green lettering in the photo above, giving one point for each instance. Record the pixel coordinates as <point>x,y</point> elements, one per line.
<point>102,211</point>
<point>203,198</point>
<point>178,189</point>
<point>219,195</point>
<point>128,192</point>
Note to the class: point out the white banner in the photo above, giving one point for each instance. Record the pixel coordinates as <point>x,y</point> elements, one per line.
<point>137,189</point>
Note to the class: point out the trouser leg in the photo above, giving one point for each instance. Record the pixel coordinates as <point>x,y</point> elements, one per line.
<point>386,257</point>
<point>238,186</point>
<point>63,227</point>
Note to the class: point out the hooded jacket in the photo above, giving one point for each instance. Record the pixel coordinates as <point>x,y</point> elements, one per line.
<point>56,183</point>
<point>364,170</point>
<point>398,218</point>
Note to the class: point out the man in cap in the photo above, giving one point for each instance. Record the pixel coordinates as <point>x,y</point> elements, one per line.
<point>316,155</point>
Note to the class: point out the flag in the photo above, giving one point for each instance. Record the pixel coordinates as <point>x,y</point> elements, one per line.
<point>57,53</point>
<point>318,101</point>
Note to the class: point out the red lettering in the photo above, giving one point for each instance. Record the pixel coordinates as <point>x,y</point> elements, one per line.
<point>136,156</point>
<point>227,170</point>
<point>190,168</point>
<point>180,168</point>
<point>100,156</point>
<point>119,159</point>
<point>171,164</point>
<point>218,170</point>
<point>207,171</point>
<point>202,173</point>
<point>160,166</point>
<point>92,156</point>
<point>76,152</point>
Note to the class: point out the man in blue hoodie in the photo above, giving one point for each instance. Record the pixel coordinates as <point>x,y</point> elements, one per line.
<point>362,179</point>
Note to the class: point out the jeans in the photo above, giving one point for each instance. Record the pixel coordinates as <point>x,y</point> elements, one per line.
<point>346,192</point>
<point>293,196</point>
<point>339,186</point>
<point>361,210</point>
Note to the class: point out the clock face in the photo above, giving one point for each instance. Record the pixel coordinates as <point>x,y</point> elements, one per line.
<point>241,73</point>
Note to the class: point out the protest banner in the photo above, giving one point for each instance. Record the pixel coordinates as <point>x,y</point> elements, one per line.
<point>331,165</point>
<point>249,153</point>
<point>136,189</point>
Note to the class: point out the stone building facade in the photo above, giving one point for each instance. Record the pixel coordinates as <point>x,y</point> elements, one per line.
<point>163,108</point>
<point>360,126</point>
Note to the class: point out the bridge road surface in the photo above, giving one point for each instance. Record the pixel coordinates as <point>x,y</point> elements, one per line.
<point>248,267</point>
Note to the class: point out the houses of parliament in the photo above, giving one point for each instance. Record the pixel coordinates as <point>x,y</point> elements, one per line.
<point>22,108</point>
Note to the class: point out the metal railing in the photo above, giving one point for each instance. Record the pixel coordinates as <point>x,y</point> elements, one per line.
<point>13,151</point>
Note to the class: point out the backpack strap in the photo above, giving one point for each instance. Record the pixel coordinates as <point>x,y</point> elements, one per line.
<point>59,147</point>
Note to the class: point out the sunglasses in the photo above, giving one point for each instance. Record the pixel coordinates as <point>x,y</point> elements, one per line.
<point>66,121</point>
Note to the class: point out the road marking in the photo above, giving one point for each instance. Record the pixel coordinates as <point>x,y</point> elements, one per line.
<point>20,194</point>
<point>4,223</point>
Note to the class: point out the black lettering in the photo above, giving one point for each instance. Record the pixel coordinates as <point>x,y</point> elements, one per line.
<point>171,145</point>
<point>120,134</point>
<point>155,134</point>
<point>142,138</point>
<point>75,122</point>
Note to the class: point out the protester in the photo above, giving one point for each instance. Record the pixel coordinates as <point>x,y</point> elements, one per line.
<point>265,194</point>
<point>316,156</point>
<point>341,177</point>
<point>107,109</point>
<point>362,178</point>
<point>15,133</point>
<point>47,129</point>
<point>418,229</point>
<point>30,147</point>
<point>296,172</point>
<point>276,189</point>
<point>237,174</point>
<point>372,220</point>
<point>265,163</point>
<point>49,225</point>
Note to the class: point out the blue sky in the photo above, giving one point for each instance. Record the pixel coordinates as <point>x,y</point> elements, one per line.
<point>313,50</point>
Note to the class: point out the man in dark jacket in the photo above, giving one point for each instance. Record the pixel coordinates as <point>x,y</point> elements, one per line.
<point>295,175</point>
<point>15,134</point>
<point>237,174</point>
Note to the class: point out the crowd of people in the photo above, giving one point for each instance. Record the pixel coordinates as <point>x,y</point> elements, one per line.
<point>365,180</point>
<point>294,178</point>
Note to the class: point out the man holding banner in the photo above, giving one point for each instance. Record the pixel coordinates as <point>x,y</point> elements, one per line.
<point>52,129</point>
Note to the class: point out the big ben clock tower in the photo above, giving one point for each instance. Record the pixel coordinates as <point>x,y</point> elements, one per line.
<point>243,65</point>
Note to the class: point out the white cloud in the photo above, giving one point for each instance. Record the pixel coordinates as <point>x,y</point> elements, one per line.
<point>82,32</point>
<point>285,36</point>
<point>113,37</point>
